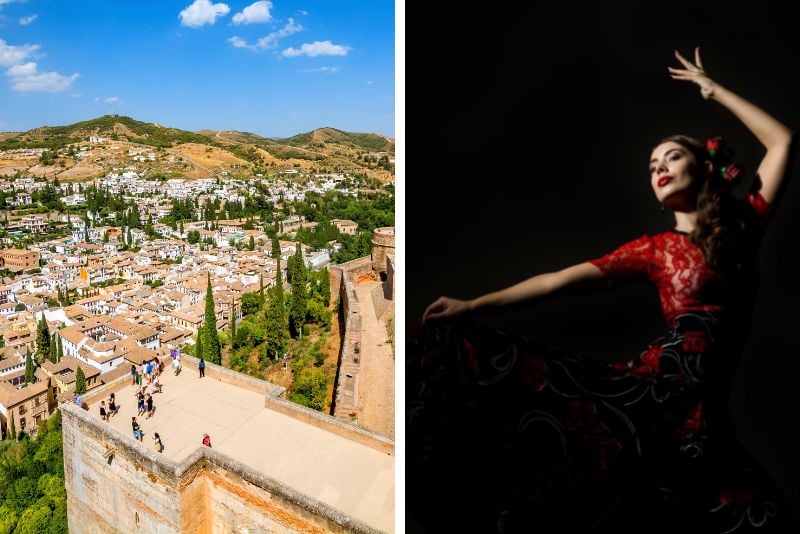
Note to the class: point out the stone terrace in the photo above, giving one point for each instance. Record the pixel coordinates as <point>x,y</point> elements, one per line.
<point>334,469</point>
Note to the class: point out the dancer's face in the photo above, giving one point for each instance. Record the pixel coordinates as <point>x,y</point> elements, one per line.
<point>674,173</point>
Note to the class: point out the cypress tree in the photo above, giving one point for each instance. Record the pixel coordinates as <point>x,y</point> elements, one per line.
<point>12,428</point>
<point>53,354</point>
<point>29,376</point>
<point>276,318</point>
<point>211,347</point>
<point>80,381</point>
<point>198,346</point>
<point>298,311</point>
<point>252,244</point>
<point>42,340</point>
<point>60,350</point>
<point>233,320</point>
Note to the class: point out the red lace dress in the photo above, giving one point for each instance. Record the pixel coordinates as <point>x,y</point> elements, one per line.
<point>527,438</point>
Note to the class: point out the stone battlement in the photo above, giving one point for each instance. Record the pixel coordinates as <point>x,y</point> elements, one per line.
<point>275,466</point>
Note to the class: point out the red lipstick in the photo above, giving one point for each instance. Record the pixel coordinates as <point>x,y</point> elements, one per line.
<point>664,180</point>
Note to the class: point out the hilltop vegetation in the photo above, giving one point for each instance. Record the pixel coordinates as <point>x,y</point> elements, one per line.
<point>111,126</point>
<point>321,150</point>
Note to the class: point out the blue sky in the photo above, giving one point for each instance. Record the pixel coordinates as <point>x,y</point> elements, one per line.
<point>276,68</point>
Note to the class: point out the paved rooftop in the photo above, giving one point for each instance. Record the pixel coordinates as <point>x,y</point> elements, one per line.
<point>349,476</point>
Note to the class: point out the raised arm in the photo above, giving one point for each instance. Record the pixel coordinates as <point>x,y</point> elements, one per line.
<point>580,278</point>
<point>776,137</point>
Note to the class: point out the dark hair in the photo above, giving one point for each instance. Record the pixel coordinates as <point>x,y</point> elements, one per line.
<point>722,226</point>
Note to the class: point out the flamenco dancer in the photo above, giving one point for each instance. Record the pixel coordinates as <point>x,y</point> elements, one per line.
<point>528,438</point>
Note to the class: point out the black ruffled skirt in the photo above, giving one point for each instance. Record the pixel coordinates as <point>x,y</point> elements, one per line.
<point>505,434</point>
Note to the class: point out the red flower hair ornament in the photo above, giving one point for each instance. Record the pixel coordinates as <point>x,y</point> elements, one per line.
<point>722,156</point>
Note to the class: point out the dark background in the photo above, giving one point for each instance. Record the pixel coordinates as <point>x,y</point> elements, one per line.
<point>529,131</point>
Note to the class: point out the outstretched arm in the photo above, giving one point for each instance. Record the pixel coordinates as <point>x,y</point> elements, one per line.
<point>776,137</point>
<point>580,278</point>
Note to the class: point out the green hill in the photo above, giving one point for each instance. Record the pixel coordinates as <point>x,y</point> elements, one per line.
<point>360,141</point>
<point>112,126</point>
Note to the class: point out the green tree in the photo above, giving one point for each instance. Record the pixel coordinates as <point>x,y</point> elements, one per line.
<point>29,376</point>
<point>60,350</point>
<point>276,319</point>
<point>34,520</point>
<point>53,353</point>
<point>80,381</point>
<point>310,388</point>
<point>233,319</point>
<point>251,245</point>
<point>8,519</point>
<point>12,428</point>
<point>42,339</point>
<point>211,347</point>
<point>198,345</point>
<point>298,309</point>
<point>251,303</point>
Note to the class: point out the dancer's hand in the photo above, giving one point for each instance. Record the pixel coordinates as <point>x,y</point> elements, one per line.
<point>694,73</point>
<point>446,307</point>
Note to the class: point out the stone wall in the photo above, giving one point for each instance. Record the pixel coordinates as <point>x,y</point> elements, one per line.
<point>340,428</point>
<point>117,484</point>
<point>346,390</point>
<point>382,244</point>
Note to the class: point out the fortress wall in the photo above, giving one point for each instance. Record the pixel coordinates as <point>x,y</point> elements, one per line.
<point>134,492</point>
<point>382,244</point>
<point>336,426</point>
<point>141,491</point>
<point>346,394</point>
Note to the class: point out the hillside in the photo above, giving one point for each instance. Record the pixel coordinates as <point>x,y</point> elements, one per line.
<point>190,154</point>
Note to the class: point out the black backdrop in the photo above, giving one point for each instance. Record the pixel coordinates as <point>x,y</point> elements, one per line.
<point>528,134</point>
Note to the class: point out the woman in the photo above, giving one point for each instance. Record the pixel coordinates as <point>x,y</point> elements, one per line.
<point>553,440</point>
<point>159,444</point>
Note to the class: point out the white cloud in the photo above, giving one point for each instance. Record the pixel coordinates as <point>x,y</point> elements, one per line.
<point>329,70</point>
<point>303,12</point>
<point>317,48</point>
<point>271,41</point>
<point>13,55</point>
<point>370,82</point>
<point>112,100</point>
<point>268,41</point>
<point>238,42</point>
<point>75,95</point>
<point>23,69</point>
<point>25,77</point>
<point>46,82</point>
<point>254,13</point>
<point>202,12</point>
<point>24,21</point>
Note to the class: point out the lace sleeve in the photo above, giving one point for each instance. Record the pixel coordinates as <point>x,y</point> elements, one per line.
<point>756,203</point>
<point>631,261</point>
